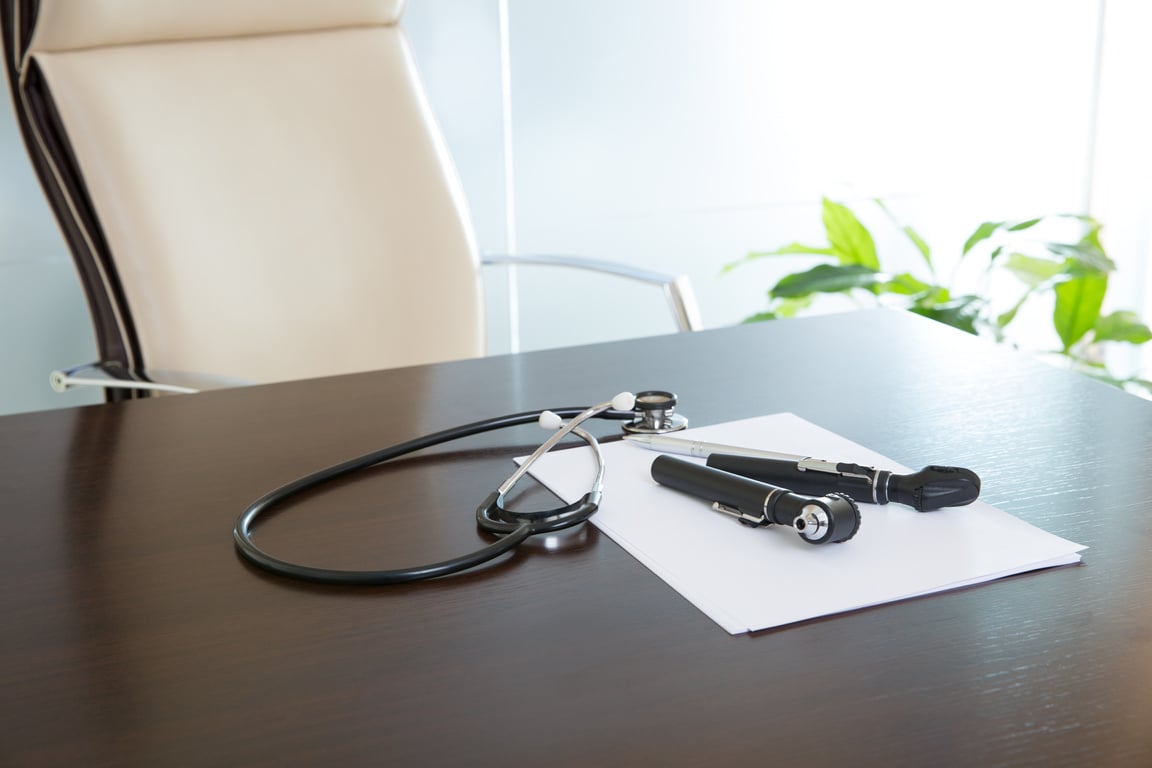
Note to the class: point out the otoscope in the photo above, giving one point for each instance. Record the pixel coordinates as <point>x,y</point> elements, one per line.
<point>931,488</point>
<point>818,520</point>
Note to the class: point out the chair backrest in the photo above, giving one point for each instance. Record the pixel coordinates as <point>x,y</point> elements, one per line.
<point>251,188</point>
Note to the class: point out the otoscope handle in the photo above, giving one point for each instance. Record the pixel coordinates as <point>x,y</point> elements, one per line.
<point>931,488</point>
<point>830,518</point>
<point>751,497</point>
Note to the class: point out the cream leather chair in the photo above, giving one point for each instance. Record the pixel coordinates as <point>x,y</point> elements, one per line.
<point>253,190</point>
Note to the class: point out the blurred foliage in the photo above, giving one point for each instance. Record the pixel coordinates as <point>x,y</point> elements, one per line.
<point>1074,272</point>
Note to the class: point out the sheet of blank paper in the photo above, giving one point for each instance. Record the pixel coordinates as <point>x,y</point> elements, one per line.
<point>749,579</point>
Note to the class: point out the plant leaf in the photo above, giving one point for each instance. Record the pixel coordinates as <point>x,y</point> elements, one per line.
<point>1086,256</point>
<point>933,296</point>
<point>826,278</point>
<point>962,313</point>
<point>1088,253</point>
<point>1122,325</point>
<point>1078,303</point>
<point>791,307</point>
<point>794,248</point>
<point>907,284</point>
<point>788,250</point>
<point>850,240</point>
<point>983,232</point>
<point>1023,225</point>
<point>914,236</point>
<point>1006,317</point>
<point>920,243</point>
<point>1032,270</point>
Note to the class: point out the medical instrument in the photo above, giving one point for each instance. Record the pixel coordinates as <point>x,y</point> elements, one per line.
<point>647,412</point>
<point>933,487</point>
<point>819,520</point>
<point>701,449</point>
<point>655,415</point>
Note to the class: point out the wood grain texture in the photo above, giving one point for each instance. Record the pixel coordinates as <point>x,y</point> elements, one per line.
<point>132,634</point>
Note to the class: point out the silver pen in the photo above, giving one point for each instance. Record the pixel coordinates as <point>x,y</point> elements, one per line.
<point>701,449</point>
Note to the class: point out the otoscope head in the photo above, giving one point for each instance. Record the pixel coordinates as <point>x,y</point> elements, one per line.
<point>828,519</point>
<point>936,486</point>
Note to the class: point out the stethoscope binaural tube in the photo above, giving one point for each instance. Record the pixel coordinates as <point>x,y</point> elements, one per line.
<point>513,527</point>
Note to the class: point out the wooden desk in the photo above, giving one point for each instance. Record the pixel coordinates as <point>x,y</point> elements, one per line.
<point>134,636</point>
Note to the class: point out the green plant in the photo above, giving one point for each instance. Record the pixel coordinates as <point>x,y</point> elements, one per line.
<point>1021,260</point>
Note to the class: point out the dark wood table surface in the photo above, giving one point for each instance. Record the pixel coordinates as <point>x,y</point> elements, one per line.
<point>133,635</point>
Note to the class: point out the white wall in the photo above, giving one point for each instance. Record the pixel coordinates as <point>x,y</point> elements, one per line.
<point>682,134</point>
<point>678,135</point>
<point>1121,192</point>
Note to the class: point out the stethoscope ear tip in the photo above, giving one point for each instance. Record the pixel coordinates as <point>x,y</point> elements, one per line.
<point>625,401</point>
<point>550,420</point>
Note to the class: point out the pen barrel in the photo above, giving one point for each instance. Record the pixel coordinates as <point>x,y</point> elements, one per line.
<point>749,496</point>
<point>861,483</point>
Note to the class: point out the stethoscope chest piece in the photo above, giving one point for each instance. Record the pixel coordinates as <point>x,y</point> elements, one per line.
<point>655,414</point>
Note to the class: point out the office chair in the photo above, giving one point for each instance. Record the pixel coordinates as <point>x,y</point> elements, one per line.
<point>252,190</point>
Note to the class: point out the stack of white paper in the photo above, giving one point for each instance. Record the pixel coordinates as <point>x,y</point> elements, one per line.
<point>755,578</point>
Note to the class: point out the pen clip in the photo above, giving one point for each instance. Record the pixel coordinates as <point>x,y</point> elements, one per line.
<point>743,517</point>
<point>808,464</point>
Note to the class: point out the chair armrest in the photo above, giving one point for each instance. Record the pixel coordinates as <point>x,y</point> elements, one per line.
<point>677,288</point>
<point>110,376</point>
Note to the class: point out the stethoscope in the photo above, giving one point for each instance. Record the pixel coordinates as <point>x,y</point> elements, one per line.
<point>648,412</point>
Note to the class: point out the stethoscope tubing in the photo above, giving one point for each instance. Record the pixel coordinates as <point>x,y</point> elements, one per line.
<point>247,548</point>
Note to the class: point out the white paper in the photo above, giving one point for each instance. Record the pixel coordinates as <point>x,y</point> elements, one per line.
<point>748,579</point>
